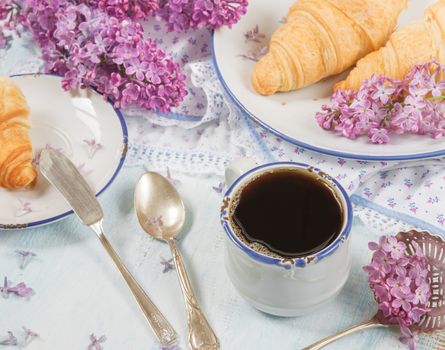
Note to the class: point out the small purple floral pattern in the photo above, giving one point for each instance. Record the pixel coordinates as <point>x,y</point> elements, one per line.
<point>385,184</point>
<point>441,219</point>
<point>413,207</point>
<point>367,192</point>
<point>433,200</point>
<point>428,184</point>
<point>391,203</point>
<point>408,183</point>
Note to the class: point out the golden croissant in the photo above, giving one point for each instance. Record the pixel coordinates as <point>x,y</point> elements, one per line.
<point>321,38</point>
<point>417,43</point>
<point>16,168</point>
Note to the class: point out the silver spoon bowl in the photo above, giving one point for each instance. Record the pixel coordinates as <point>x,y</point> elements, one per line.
<point>161,214</point>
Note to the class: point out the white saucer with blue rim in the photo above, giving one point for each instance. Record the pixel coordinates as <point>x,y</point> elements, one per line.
<point>292,115</point>
<point>83,126</point>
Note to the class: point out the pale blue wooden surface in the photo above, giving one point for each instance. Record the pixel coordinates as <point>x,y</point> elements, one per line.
<point>78,291</point>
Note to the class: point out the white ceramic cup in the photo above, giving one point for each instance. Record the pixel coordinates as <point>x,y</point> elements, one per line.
<point>283,286</point>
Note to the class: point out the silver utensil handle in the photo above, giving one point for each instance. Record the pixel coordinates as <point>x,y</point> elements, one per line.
<point>201,335</point>
<point>158,323</point>
<point>358,327</point>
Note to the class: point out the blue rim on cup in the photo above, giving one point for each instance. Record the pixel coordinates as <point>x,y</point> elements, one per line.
<point>288,262</point>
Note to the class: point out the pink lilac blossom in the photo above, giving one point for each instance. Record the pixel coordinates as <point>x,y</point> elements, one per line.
<point>21,290</point>
<point>181,15</point>
<point>384,106</point>
<point>100,44</point>
<point>96,343</point>
<point>400,284</point>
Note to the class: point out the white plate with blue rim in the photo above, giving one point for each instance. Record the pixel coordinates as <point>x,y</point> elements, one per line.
<point>79,123</point>
<point>292,115</point>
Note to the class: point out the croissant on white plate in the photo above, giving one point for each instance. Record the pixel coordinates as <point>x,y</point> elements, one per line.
<point>321,38</point>
<point>16,168</point>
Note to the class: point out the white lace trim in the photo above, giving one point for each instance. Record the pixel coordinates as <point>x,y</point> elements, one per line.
<point>196,161</point>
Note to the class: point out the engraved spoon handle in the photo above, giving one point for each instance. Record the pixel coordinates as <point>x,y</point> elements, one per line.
<point>158,323</point>
<point>358,327</point>
<point>201,335</point>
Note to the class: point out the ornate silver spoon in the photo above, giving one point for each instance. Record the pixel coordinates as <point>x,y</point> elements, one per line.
<point>161,213</point>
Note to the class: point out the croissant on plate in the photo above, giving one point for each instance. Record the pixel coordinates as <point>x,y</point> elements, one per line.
<point>16,168</point>
<point>417,43</point>
<point>322,38</point>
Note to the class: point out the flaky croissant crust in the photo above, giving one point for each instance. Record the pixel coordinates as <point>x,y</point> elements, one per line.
<point>322,38</point>
<point>16,168</point>
<point>417,43</point>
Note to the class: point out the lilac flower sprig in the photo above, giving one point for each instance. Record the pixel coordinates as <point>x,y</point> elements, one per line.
<point>100,44</point>
<point>400,284</point>
<point>96,343</point>
<point>181,15</point>
<point>90,47</point>
<point>384,106</point>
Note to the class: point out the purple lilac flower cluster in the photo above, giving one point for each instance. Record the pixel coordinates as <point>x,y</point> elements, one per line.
<point>399,282</point>
<point>89,47</point>
<point>384,106</point>
<point>182,15</point>
<point>99,43</point>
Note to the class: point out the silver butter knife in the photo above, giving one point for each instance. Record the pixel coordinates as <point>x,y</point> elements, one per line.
<point>62,173</point>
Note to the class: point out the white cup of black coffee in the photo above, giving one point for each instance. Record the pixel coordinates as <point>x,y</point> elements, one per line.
<point>287,225</point>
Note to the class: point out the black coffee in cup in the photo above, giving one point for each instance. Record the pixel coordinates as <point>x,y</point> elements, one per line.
<point>292,213</point>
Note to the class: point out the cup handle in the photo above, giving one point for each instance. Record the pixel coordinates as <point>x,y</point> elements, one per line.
<point>238,167</point>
